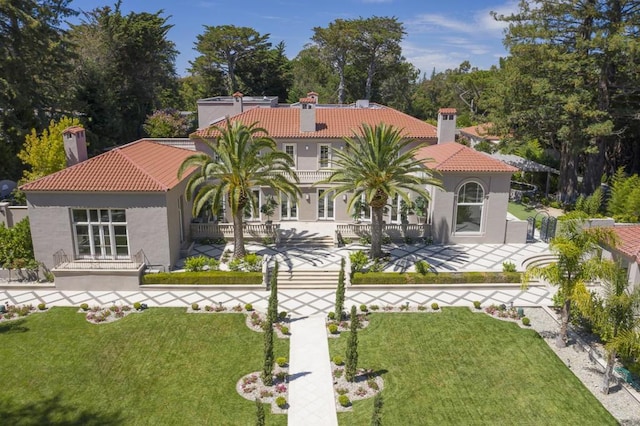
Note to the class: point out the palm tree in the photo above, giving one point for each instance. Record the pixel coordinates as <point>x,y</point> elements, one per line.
<point>379,163</point>
<point>245,157</point>
<point>615,315</point>
<point>576,264</point>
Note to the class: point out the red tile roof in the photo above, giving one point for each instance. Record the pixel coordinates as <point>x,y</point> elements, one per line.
<point>455,157</point>
<point>136,167</point>
<point>73,129</point>
<point>628,240</point>
<point>307,100</point>
<point>330,122</point>
<point>447,111</point>
<point>480,131</point>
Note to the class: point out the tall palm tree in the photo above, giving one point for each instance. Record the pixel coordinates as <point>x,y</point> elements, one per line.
<point>245,157</point>
<point>615,315</point>
<point>576,265</point>
<point>379,163</point>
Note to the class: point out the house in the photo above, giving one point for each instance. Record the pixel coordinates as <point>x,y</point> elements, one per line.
<point>118,213</point>
<point>478,133</point>
<point>627,251</point>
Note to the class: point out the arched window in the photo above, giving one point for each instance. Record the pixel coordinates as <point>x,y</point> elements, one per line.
<point>469,208</point>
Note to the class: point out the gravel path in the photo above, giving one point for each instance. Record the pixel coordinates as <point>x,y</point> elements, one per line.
<point>624,407</point>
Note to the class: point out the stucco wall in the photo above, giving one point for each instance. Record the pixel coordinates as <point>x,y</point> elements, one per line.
<point>10,215</point>
<point>51,227</point>
<point>493,226</point>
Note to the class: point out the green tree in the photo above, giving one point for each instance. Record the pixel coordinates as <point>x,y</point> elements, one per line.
<point>168,123</point>
<point>16,247</point>
<point>44,154</point>
<point>260,418</point>
<point>223,47</point>
<point>615,316</point>
<point>267,367</point>
<point>242,158</point>
<point>266,72</point>
<point>34,63</point>
<point>351,358</point>
<point>272,309</point>
<point>376,417</point>
<point>624,204</point>
<point>339,306</point>
<point>378,163</point>
<point>311,73</point>
<point>576,264</point>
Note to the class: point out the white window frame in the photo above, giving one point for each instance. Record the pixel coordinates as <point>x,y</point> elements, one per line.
<point>481,204</point>
<point>324,197</point>
<point>255,214</point>
<point>287,204</point>
<point>105,229</point>
<point>293,148</point>
<point>328,165</point>
<point>396,203</point>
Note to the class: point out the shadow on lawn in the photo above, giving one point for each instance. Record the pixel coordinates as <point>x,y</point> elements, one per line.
<point>53,411</point>
<point>13,326</point>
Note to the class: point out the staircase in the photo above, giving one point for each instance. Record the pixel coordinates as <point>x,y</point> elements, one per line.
<point>304,241</point>
<point>308,278</point>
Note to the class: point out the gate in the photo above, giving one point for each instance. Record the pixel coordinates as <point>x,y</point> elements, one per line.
<point>547,227</point>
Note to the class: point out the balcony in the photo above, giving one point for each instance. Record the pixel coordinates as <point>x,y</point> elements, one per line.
<point>312,176</point>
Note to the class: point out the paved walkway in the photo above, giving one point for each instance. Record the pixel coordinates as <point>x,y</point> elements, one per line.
<point>311,397</point>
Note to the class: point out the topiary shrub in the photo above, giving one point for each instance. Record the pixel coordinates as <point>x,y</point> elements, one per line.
<point>333,329</point>
<point>332,315</point>
<point>435,306</point>
<point>137,306</point>
<point>337,360</point>
<point>281,361</point>
<point>476,304</point>
<point>208,308</point>
<point>42,306</point>
<point>281,401</point>
<point>526,321</point>
<point>344,400</point>
<point>363,308</point>
<point>248,307</point>
<point>195,306</point>
<point>282,316</point>
<point>84,307</point>
<point>284,329</point>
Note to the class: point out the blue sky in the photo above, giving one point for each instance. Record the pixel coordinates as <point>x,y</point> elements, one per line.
<point>439,34</point>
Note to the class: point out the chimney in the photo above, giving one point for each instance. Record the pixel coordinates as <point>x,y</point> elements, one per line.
<point>314,96</point>
<point>237,103</point>
<point>446,125</point>
<point>308,113</point>
<point>75,145</point>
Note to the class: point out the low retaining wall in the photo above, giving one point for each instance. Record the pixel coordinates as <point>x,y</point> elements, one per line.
<point>95,279</point>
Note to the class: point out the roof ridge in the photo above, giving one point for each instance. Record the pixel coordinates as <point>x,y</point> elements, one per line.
<point>453,154</point>
<point>137,166</point>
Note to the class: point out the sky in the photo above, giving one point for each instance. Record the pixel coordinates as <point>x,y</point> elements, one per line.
<point>440,34</point>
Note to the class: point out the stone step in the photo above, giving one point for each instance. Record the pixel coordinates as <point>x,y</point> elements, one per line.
<point>315,241</point>
<point>309,278</point>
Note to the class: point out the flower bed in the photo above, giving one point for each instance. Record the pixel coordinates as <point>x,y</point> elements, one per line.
<point>252,387</point>
<point>102,315</point>
<point>13,312</point>
<point>367,384</point>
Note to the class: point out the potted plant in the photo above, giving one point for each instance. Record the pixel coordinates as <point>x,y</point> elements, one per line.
<point>269,208</point>
<point>421,206</point>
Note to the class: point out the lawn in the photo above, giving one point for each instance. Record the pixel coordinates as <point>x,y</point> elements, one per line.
<point>162,366</point>
<point>521,211</point>
<point>464,368</point>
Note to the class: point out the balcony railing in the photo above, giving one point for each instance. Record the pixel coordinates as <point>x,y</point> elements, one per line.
<point>225,230</point>
<point>62,261</point>
<point>396,232</point>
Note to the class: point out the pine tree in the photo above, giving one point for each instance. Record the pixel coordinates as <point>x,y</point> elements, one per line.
<point>272,311</point>
<point>352,348</point>
<point>340,292</point>
<point>376,418</point>
<point>260,419</point>
<point>267,369</point>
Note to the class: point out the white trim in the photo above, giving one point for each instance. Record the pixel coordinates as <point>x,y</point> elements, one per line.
<point>320,146</point>
<point>327,201</point>
<point>98,252</point>
<point>456,204</point>
<point>295,152</point>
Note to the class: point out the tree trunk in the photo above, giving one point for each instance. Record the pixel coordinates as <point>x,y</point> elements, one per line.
<point>562,339</point>
<point>376,232</point>
<point>341,86</point>
<point>568,174</point>
<point>608,369</point>
<point>238,235</point>
<point>369,83</point>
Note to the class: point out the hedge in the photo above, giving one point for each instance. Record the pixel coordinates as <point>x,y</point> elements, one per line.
<point>213,277</point>
<point>398,278</point>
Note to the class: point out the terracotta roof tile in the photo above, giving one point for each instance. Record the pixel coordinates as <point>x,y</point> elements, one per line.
<point>447,111</point>
<point>628,240</point>
<point>330,122</point>
<point>307,100</point>
<point>136,167</point>
<point>480,131</point>
<point>455,157</point>
<point>73,129</point>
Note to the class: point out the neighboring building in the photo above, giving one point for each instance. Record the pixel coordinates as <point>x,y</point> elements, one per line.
<point>627,251</point>
<point>479,133</point>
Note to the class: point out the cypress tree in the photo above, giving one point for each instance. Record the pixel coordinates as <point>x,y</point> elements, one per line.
<point>376,418</point>
<point>352,348</point>
<point>272,311</point>
<point>260,419</point>
<point>267,368</point>
<point>340,292</point>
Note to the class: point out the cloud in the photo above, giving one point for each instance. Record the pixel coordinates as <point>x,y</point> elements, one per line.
<point>426,59</point>
<point>488,23</point>
<point>429,22</point>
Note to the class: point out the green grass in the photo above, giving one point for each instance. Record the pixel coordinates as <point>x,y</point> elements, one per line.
<point>521,211</point>
<point>160,367</point>
<point>461,368</point>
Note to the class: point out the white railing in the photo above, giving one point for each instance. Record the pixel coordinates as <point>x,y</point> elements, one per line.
<point>225,230</point>
<point>397,232</point>
<point>312,176</point>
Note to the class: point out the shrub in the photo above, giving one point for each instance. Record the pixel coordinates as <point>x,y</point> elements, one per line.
<point>341,391</point>
<point>508,267</point>
<point>282,316</point>
<point>422,267</point>
<point>398,278</point>
<point>208,308</point>
<point>235,265</point>
<point>333,329</point>
<point>213,264</point>
<point>84,307</point>
<point>42,306</point>
<point>281,361</point>
<point>204,278</point>
<point>195,307</point>
<point>195,263</point>
<point>248,307</point>
<point>374,307</point>
<point>422,308</point>
<point>359,261</point>
<point>281,401</point>
<point>284,329</point>
<point>526,321</point>
<point>435,306</point>
<point>377,266</point>
<point>344,400</point>
<point>476,304</point>
<point>363,308</point>
<point>332,315</point>
<point>337,360</point>
<point>136,305</point>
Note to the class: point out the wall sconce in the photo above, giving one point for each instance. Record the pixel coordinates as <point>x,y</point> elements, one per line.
<point>306,147</point>
<point>344,197</point>
<point>306,197</point>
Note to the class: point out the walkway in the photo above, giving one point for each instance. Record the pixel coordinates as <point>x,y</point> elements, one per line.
<point>311,397</point>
